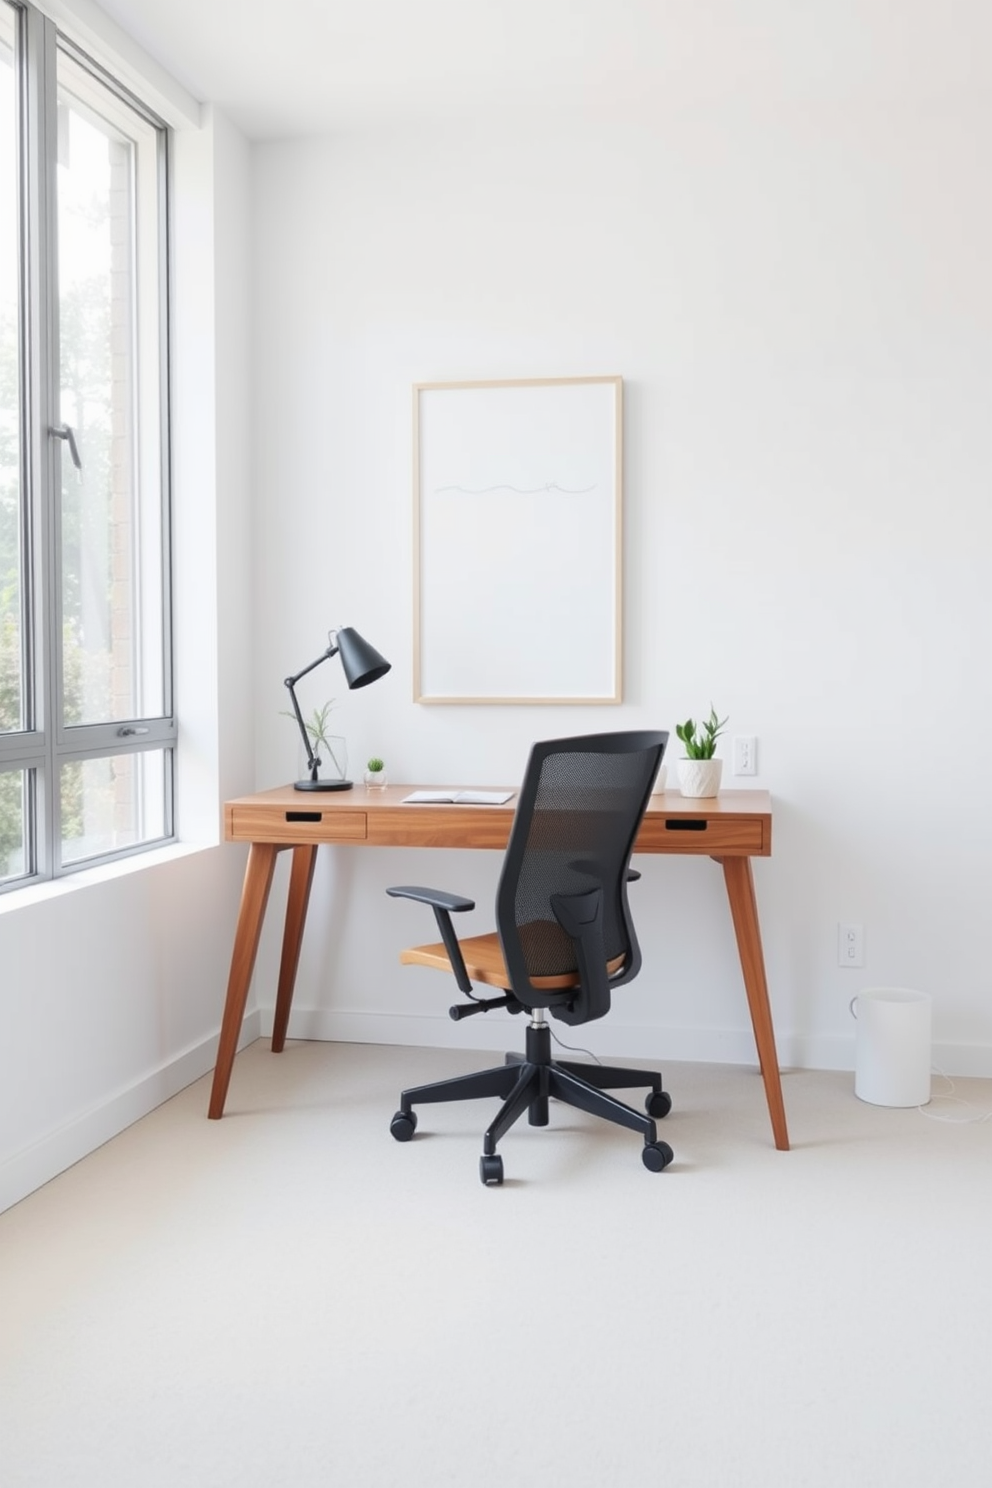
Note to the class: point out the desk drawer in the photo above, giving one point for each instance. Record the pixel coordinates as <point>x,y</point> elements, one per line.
<point>292,825</point>
<point>713,836</point>
<point>440,826</point>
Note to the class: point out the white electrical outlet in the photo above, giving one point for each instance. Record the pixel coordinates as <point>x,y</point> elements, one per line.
<point>850,945</point>
<point>745,754</point>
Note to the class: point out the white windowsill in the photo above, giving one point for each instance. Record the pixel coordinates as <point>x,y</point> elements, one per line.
<point>55,888</point>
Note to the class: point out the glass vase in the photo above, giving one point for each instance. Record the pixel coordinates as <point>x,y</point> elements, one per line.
<point>333,755</point>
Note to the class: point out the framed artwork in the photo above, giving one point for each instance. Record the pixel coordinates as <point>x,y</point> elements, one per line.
<point>517,541</point>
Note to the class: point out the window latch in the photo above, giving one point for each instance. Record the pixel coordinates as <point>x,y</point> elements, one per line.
<point>128,730</point>
<point>66,432</point>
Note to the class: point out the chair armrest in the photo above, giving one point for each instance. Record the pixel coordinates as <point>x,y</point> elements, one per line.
<point>444,906</point>
<point>437,898</point>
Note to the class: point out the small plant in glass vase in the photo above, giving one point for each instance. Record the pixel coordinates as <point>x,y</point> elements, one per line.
<point>330,749</point>
<point>699,769</point>
<point>375,773</point>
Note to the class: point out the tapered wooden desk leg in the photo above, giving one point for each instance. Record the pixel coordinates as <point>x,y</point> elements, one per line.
<point>254,897</point>
<point>300,879</point>
<point>744,909</point>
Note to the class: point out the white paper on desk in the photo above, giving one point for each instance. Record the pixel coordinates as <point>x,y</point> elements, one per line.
<point>459,798</point>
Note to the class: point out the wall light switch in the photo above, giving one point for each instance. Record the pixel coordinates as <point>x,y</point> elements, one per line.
<point>745,754</point>
<point>850,945</point>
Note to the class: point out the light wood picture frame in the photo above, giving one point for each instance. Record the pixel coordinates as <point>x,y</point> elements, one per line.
<point>518,488</point>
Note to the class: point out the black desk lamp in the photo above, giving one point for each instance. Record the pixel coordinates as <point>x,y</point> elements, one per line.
<point>361,664</point>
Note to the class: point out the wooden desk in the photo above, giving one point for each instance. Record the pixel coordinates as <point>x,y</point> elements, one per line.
<point>731,828</point>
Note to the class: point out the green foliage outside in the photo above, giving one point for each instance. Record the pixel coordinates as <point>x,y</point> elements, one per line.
<point>11,781</point>
<point>85,341</point>
<point>11,830</point>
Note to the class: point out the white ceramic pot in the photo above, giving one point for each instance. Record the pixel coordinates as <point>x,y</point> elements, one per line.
<point>700,777</point>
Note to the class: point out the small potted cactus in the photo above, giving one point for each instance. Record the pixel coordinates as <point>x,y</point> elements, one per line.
<point>699,770</point>
<point>375,773</point>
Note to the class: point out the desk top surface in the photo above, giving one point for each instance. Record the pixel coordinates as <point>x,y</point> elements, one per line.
<point>378,798</point>
<point>734,823</point>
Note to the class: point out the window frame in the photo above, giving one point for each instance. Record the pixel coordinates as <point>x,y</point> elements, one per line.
<point>45,744</point>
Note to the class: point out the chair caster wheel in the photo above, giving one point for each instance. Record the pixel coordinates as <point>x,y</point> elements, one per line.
<point>491,1169</point>
<point>658,1104</point>
<point>656,1156</point>
<point>403,1125</point>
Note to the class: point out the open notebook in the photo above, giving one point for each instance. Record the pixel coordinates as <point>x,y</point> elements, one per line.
<point>459,797</point>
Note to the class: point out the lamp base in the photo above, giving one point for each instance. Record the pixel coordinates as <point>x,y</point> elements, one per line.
<point>323,785</point>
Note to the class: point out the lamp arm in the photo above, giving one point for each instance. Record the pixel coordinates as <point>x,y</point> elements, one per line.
<point>312,761</point>
<point>331,651</point>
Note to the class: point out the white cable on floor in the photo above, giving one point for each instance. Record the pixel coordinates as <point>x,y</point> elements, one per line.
<point>956,1100</point>
<point>574,1048</point>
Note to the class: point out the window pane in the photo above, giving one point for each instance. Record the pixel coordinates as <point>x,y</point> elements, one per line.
<point>113,803</point>
<point>109,333</point>
<point>11,556</point>
<point>13,817</point>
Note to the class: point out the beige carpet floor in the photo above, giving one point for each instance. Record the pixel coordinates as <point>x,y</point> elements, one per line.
<point>289,1297</point>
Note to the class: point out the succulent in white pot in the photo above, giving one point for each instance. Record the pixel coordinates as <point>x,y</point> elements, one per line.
<point>375,772</point>
<point>699,769</point>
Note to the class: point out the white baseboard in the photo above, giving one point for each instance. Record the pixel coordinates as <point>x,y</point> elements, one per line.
<point>51,1154</point>
<point>499,1031</point>
<point>611,1038</point>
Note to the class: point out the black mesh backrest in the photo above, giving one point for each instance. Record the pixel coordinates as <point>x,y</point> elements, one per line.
<point>577,816</point>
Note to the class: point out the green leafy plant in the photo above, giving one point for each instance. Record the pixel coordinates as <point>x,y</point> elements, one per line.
<point>703,745</point>
<point>376,765</point>
<point>316,724</point>
<point>321,741</point>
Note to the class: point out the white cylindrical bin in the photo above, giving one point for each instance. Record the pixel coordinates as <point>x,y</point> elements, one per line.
<point>892,1057</point>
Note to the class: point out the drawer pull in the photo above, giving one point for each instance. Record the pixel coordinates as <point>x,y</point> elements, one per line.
<point>685,824</point>
<point>304,816</point>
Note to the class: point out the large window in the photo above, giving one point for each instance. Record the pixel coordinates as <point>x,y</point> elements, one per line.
<point>87,733</point>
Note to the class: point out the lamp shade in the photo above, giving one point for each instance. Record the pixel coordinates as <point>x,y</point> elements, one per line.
<point>360,662</point>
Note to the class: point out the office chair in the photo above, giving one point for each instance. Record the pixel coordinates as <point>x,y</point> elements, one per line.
<point>564,939</point>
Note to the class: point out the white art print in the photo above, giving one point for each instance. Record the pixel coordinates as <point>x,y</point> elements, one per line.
<point>517,491</point>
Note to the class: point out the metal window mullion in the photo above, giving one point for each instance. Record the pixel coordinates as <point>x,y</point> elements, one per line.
<point>165,414</point>
<point>116,738</point>
<point>21,752</point>
<point>40,368</point>
<point>66,756</point>
<point>165,456</point>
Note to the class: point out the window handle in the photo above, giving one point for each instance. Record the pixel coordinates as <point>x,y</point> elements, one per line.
<point>65,431</point>
<point>128,729</point>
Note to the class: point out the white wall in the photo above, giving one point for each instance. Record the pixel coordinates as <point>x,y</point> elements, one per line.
<point>112,982</point>
<point>797,295</point>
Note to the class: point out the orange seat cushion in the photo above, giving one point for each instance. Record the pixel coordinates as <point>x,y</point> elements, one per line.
<point>484,963</point>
